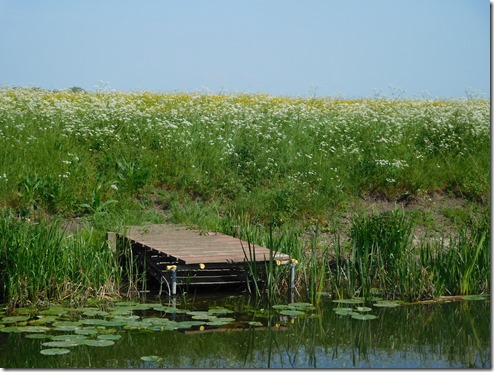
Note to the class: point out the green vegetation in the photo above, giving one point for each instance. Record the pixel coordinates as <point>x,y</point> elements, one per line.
<point>40,263</point>
<point>370,195</point>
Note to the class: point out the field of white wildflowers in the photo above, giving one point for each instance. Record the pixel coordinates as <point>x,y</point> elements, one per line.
<point>275,157</point>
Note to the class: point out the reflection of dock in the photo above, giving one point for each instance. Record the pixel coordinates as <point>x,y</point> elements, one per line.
<point>178,256</point>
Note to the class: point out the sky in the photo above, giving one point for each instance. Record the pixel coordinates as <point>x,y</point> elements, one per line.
<point>344,48</point>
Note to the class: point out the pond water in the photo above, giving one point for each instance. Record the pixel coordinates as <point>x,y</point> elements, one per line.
<point>236,332</point>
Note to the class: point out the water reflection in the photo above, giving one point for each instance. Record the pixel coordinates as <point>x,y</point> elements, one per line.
<point>452,335</point>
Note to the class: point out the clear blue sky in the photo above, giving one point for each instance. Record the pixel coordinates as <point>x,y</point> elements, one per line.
<point>437,48</point>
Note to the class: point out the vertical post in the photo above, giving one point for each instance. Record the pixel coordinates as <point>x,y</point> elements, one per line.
<point>292,279</point>
<point>173,269</point>
<point>174,281</point>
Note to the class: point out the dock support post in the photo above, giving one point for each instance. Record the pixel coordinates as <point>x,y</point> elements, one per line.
<point>174,282</point>
<point>173,269</point>
<point>292,279</point>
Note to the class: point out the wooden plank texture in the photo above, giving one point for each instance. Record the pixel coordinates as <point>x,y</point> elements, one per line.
<point>193,246</point>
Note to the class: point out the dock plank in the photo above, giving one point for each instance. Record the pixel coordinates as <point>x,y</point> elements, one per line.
<point>194,246</point>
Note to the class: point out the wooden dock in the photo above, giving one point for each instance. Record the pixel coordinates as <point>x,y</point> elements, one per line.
<point>181,257</point>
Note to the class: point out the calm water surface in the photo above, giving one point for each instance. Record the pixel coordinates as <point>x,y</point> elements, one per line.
<point>450,335</point>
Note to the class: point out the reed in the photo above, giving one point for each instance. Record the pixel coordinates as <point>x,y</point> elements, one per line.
<point>382,260</point>
<point>463,266</point>
<point>40,263</point>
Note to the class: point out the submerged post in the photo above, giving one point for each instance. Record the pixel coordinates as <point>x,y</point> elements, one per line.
<point>292,279</point>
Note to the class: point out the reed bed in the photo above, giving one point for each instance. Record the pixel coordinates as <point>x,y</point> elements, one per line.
<point>40,264</point>
<point>379,260</point>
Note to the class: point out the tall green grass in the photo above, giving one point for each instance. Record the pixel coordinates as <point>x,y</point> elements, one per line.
<point>39,263</point>
<point>380,258</point>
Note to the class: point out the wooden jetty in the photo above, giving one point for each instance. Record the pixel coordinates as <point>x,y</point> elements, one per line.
<point>181,257</point>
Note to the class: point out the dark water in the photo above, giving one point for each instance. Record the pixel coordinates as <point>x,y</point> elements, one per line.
<point>451,335</point>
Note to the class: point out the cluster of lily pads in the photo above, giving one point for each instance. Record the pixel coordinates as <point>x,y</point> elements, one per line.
<point>294,308</point>
<point>63,328</point>
<point>361,312</point>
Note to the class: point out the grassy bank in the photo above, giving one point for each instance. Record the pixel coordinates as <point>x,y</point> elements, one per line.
<point>106,159</point>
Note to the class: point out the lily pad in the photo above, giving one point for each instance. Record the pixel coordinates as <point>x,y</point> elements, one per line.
<point>169,309</point>
<point>255,324</point>
<point>194,313</point>
<point>54,351</point>
<point>95,313</point>
<point>44,319</point>
<point>25,310</point>
<point>136,325</point>
<point>55,311</point>
<point>122,311</point>
<point>99,343</point>
<point>220,310</point>
<point>344,311</point>
<point>83,309</point>
<point>11,329</point>
<point>87,331</point>
<point>363,316</point>
<point>129,318</point>
<point>161,328</point>
<point>151,358</point>
<point>61,344</point>
<point>189,324</point>
<point>221,320</point>
<point>363,309</point>
<point>218,323</point>
<point>292,312</point>
<point>155,320</point>
<point>66,323</point>
<point>280,307</point>
<point>66,328</point>
<point>34,329</point>
<point>72,338</point>
<point>144,306</point>
<point>300,304</point>
<point>109,337</point>
<point>114,323</point>
<point>205,317</point>
<point>94,322</point>
<point>14,319</point>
